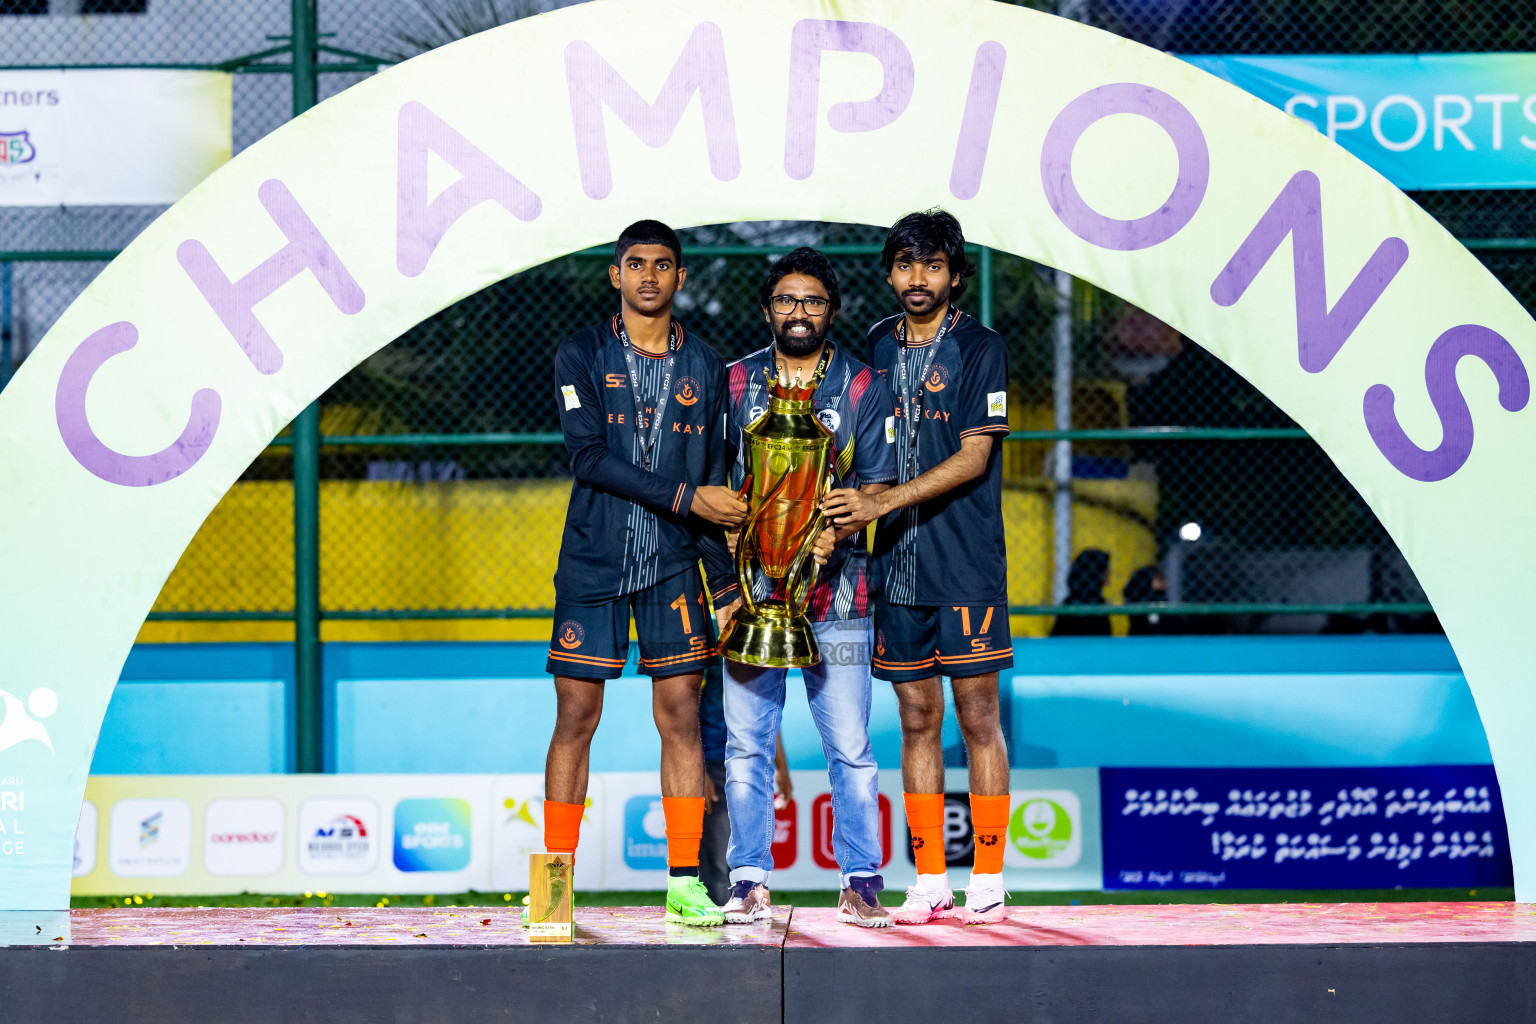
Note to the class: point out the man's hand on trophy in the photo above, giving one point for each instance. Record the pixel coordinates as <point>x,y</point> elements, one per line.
<point>723,615</point>
<point>720,505</point>
<point>732,537</point>
<point>850,509</point>
<point>825,542</point>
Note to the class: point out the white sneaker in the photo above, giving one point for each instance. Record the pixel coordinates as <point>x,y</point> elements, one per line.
<point>985,904</point>
<point>925,904</point>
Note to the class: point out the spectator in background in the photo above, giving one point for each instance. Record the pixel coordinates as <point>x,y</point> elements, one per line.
<point>1085,586</point>
<point>1147,585</point>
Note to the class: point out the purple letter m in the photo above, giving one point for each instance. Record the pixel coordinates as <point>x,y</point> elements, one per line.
<point>700,69</point>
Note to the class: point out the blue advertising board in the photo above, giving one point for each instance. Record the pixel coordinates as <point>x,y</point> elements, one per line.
<point>1425,121</point>
<point>1304,828</point>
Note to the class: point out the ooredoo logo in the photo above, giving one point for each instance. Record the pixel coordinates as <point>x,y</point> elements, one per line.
<point>244,836</point>
<point>338,836</point>
<point>1045,830</point>
<point>432,834</point>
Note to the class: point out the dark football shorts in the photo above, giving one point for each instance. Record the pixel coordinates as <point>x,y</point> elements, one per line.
<point>915,642</point>
<point>676,631</point>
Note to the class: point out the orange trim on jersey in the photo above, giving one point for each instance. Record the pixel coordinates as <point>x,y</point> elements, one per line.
<point>1001,428</point>
<point>682,336</point>
<point>678,501</point>
<point>678,659</point>
<point>926,663</point>
<point>967,658</point>
<point>585,658</point>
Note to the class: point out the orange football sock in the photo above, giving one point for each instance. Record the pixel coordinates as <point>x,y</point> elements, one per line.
<point>989,823</point>
<point>685,829</point>
<point>562,826</point>
<point>925,820</point>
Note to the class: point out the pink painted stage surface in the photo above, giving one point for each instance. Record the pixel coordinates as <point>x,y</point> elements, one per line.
<point>810,928</point>
<point>401,926</point>
<point>1189,925</point>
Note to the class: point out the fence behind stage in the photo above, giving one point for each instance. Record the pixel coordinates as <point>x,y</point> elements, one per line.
<point>437,481</point>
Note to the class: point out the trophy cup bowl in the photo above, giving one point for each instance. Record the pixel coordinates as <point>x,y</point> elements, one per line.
<point>787,452</point>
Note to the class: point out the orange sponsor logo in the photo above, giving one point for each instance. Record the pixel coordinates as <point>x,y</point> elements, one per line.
<point>614,380</point>
<point>687,391</point>
<point>938,379</point>
<point>571,635</point>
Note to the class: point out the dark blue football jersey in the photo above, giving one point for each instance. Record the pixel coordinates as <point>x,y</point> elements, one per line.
<point>627,526</point>
<point>950,550</point>
<point>856,406</point>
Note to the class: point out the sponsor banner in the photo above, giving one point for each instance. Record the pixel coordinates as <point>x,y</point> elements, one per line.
<point>211,834</point>
<point>110,137</point>
<point>1465,120</point>
<point>1304,828</point>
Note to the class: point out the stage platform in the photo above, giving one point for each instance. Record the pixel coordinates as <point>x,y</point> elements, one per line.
<point>1444,963</point>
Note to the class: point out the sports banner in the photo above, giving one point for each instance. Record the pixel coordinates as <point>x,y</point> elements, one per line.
<point>119,137</point>
<point>1461,120</point>
<point>1304,828</point>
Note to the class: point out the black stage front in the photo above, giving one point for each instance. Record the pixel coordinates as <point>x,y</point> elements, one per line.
<point>1436,963</point>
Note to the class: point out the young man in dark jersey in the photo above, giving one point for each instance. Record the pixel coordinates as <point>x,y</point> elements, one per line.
<point>939,557</point>
<point>799,298</point>
<point>642,406</point>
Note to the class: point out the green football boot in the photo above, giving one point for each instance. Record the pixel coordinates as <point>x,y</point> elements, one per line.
<point>689,903</point>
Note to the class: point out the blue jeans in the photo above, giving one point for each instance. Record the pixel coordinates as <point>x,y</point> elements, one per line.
<point>838,688</point>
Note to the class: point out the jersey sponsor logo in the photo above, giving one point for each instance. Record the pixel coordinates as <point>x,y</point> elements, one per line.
<point>568,392</point>
<point>615,380</point>
<point>997,403</point>
<point>890,430</point>
<point>687,391</point>
<point>938,379</point>
<point>755,413</point>
<point>830,419</point>
<point>571,634</point>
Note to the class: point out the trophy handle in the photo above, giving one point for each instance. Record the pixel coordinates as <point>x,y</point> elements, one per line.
<point>800,595</point>
<point>743,564</point>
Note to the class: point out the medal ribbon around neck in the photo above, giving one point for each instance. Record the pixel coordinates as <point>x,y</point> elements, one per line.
<point>912,408</point>
<point>674,342</point>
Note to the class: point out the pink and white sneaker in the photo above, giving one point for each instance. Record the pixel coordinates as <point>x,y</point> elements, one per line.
<point>924,905</point>
<point>985,904</point>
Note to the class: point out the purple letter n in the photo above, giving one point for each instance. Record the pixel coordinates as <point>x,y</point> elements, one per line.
<point>1298,212</point>
<point>700,69</point>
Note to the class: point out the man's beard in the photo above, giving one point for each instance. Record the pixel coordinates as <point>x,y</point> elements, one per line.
<point>797,347</point>
<point>928,301</point>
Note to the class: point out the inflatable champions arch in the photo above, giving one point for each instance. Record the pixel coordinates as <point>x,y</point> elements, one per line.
<point>1242,227</point>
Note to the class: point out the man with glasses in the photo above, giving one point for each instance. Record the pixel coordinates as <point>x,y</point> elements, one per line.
<point>799,299</point>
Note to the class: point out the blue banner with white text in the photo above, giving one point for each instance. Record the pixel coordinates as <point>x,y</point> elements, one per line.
<point>1438,826</point>
<point>1436,121</point>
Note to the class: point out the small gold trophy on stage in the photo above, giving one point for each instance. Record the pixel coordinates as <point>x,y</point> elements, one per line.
<point>549,898</point>
<point>787,455</point>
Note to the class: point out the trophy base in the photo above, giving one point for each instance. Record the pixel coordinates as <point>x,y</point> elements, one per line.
<point>770,637</point>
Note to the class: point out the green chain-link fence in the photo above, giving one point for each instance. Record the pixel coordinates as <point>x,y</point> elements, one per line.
<point>442,476</point>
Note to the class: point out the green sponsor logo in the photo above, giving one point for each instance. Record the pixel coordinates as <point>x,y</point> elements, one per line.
<point>1040,828</point>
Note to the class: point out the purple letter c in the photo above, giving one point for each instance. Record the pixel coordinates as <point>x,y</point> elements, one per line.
<point>86,447</point>
<point>1107,232</point>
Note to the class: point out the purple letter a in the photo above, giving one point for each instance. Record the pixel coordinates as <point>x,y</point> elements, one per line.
<point>1320,331</point>
<point>420,225</point>
<point>700,69</point>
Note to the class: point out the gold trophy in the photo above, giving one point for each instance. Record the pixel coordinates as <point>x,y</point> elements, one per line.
<point>787,455</point>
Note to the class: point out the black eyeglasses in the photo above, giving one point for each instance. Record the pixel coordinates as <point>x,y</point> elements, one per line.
<point>814,305</point>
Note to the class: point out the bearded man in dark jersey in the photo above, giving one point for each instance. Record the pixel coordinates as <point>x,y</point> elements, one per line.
<point>642,406</point>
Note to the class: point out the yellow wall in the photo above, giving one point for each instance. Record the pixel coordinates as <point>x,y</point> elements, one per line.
<point>478,544</point>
